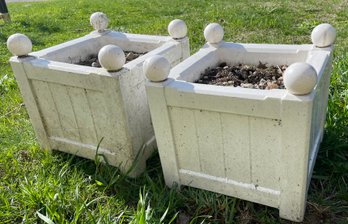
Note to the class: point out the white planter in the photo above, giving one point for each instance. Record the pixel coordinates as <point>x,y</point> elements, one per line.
<point>257,145</point>
<point>72,107</point>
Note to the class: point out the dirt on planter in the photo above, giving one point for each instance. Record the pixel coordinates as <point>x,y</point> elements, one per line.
<point>258,76</point>
<point>92,60</point>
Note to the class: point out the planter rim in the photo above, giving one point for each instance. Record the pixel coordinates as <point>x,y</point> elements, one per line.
<point>317,57</point>
<point>38,58</point>
<point>95,35</point>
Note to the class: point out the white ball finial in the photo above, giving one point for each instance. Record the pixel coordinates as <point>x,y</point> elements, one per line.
<point>177,29</point>
<point>99,21</point>
<point>19,44</point>
<point>156,68</point>
<point>323,35</point>
<point>300,78</point>
<point>213,33</point>
<point>111,57</point>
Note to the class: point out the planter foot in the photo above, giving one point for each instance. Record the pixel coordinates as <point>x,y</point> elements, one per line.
<point>293,214</point>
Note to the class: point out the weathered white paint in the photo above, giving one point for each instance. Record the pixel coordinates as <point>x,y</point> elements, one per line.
<point>156,68</point>
<point>213,33</point>
<point>300,78</point>
<point>111,57</point>
<point>257,145</point>
<point>177,29</point>
<point>19,44</point>
<point>99,21</point>
<point>72,107</point>
<point>323,35</point>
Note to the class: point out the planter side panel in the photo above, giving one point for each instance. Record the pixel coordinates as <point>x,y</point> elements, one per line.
<point>240,148</point>
<point>77,115</point>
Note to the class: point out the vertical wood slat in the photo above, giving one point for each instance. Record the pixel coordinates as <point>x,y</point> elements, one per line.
<point>235,132</point>
<point>100,118</point>
<point>265,155</point>
<point>47,108</point>
<point>209,136</point>
<point>65,110</point>
<point>83,115</point>
<point>116,129</point>
<point>184,132</point>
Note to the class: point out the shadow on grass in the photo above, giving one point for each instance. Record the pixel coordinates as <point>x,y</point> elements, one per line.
<point>199,206</point>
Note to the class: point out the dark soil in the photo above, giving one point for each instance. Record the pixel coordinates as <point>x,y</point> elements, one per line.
<point>258,76</point>
<point>92,60</point>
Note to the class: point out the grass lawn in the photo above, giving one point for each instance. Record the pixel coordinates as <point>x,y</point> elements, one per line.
<point>38,187</point>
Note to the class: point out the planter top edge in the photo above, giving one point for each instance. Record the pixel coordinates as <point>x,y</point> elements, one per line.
<point>71,68</point>
<point>109,34</point>
<point>234,92</point>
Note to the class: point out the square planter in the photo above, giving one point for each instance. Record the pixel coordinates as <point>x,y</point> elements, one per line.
<point>253,144</point>
<point>72,107</point>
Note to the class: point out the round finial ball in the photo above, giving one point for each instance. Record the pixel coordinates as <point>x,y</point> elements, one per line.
<point>111,57</point>
<point>213,33</point>
<point>99,21</point>
<point>156,68</point>
<point>300,78</point>
<point>19,44</point>
<point>323,35</point>
<point>177,29</point>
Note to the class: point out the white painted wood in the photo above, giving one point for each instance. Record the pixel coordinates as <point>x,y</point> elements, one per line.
<point>265,151</point>
<point>294,156</point>
<point>237,100</point>
<point>47,108</point>
<point>323,35</point>
<point>61,74</point>
<point>99,21</point>
<point>163,131</point>
<point>62,100</point>
<point>236,140</point>
<point>268,139</point>
<point>19,44</point>
<point>73,107</point>
<point>186,143</point>
<point>29,101</point>
<point>111,57</point>
<point>83,115</point>
<point>213,33</point>
<point>230,187</point>
<point>209,137</point>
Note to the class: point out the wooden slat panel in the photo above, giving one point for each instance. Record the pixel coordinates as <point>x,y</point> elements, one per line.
<point>105,125</point>
<point>210,142</point>
<point>99,116</point>
<point>236,143</point>
<point>47,108</point>
<point>83,116</point>
<point>184,132</point>
<point>65,110</point>
<point>265,152</point>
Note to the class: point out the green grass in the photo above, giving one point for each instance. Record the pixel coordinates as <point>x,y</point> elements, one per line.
<point>36,186</point>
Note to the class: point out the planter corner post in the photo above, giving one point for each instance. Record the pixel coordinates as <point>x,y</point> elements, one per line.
<point>177,29</point>
<point>157,70</point>
<point>20,46</point>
